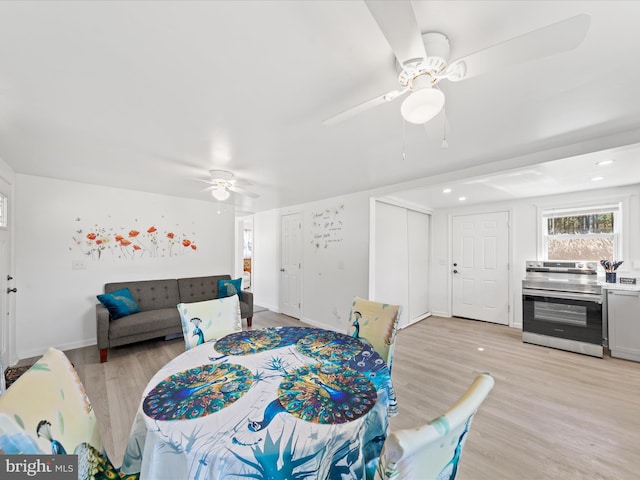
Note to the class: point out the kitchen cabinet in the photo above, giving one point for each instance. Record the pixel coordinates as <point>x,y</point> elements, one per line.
<point>623,307</point>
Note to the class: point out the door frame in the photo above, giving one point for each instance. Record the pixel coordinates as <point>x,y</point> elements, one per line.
<point>510,289</point>
<point>8,324</point>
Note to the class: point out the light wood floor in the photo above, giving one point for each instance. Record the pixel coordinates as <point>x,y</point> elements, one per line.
<point>551,415</point>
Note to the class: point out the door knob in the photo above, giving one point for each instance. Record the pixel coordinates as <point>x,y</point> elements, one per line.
<point>14,290</point>
<point>9,277</point>
<point>282,269</point>
<point>455,271</point>
<point>455,264</point>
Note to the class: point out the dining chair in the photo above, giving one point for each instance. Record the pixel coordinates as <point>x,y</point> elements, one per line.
<point>432,451</point>
<point>209,320</point>
<point>375,323</point>
<point>46,411</point>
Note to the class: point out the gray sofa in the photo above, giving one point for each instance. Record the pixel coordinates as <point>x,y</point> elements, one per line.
<point>158,316</point>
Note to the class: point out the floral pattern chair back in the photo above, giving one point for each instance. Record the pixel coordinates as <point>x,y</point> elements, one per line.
<point>376,324</point>
<point>46,411</point>
<point>209,320</point>
<point>432,451</point>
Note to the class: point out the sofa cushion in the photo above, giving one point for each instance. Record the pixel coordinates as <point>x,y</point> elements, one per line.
<point>229,288</point>
<point>198,289</point>
<point>119,303</point>
<point>143,322</point>
<point>150,294</point>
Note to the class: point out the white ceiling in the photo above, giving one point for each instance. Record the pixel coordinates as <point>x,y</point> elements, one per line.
<point>152,95</point>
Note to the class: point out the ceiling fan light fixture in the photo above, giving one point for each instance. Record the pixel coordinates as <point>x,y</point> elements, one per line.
<point>422,105</point>
<point>220,194</point>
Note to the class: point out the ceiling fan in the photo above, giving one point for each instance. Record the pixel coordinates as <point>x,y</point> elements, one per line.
<point>223,183</point>
<point>422,60</point>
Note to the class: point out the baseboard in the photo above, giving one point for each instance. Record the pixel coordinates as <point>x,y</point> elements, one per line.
<point>317,324</point>
<point>419,319</point>
<point>38,352</point>
<point>272,308</point>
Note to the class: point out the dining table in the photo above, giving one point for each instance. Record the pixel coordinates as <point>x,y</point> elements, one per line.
<point>274,403</point>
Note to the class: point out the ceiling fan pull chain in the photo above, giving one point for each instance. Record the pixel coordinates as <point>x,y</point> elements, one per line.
<point>404,156</point>
<point>444,144</point>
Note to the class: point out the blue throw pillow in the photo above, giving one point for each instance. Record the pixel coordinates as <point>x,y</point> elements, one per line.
<point>229,288</point>
<point>119,303</point>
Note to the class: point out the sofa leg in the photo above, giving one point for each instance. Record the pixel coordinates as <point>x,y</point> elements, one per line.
<point>249,320</point>
<point>103,355</point>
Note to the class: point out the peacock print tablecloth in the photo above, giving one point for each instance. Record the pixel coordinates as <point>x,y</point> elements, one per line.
<point>277,403</point>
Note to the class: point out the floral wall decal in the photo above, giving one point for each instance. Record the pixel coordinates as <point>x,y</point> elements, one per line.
<point>98,242</point>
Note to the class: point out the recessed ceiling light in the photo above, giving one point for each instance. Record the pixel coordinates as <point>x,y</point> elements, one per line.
<point>462,199</point>
<point>446,190</point>
<point>597,179</point>
<point>604,162</point>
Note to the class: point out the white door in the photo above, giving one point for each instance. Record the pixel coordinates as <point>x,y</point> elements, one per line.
<point>391,257</point>
<point>401,260</point>
<point>291,237</point>
<point>6,281</point>
<point>418,241</point>
<point>480,265</point>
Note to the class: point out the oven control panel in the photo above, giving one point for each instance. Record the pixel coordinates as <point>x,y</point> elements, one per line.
<point>561,266</point>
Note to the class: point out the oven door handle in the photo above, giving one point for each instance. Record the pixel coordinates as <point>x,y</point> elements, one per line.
<point>563,295</point>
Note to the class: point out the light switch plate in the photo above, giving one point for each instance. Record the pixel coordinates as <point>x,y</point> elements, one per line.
<point>78,264</point>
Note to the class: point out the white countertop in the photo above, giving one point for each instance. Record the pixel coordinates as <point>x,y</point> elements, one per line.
<point>619,286</point>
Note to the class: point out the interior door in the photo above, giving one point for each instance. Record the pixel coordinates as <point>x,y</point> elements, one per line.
<point>418,242</point>
<point>291,237</point>
<point>480,265</point>
<point>391,257</point>
<point>6,283</point>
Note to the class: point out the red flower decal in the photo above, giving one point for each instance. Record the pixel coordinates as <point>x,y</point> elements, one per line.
<point>193,246</point>
<point>171,235</point>
<point>119,238</point>
<point>136,247</point>
<point>133,233</point>
<point>98,242</point>
<point>124,242</point>
<point>186,242</point>
<point>91,236</point>
<point>152,229</point>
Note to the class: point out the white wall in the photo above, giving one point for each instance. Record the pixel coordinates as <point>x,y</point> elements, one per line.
<point>335,258</point>
<point>525,238</point>
<point>55,304</point>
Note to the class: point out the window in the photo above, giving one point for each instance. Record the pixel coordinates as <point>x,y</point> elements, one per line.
<point>588,233</point>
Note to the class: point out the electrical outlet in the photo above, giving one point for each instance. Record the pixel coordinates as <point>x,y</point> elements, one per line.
<point>78,264</point>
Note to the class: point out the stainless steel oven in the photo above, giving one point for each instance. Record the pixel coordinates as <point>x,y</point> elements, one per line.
<point>562,306</point>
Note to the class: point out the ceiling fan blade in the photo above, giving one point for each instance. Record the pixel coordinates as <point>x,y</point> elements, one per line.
<point>373,102</point>
<point>204,181</point>
<point>242,191</point>
<point>398,23</point>
<point>555,38</point>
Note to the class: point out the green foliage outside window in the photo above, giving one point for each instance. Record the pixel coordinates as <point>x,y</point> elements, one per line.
<point>581,224</point>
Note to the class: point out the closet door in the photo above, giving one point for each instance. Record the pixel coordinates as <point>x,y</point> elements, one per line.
<point>391,257</point>
<point>418,249</point>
